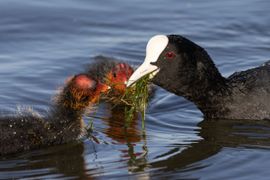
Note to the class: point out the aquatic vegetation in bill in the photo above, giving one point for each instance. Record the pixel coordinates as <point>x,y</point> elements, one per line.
<point>135,99</point>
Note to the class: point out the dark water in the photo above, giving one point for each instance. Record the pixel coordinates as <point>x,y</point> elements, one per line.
<point>43,42</point>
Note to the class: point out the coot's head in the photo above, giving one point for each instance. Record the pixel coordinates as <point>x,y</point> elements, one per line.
<point>80,91</point>
<point>117,78</point>
<point>176,64</point>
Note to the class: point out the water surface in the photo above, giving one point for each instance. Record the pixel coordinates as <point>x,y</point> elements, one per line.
<point>44,42</point>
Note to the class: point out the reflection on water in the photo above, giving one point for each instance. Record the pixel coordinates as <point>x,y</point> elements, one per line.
<point>217,135</point>
<point>70,160</point>
<point>44,42</point>
<point>56,162</point>
<point>120,130</point>
<point>127,133</point>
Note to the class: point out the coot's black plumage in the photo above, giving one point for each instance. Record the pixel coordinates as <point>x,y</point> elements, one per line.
<point>184,68</point>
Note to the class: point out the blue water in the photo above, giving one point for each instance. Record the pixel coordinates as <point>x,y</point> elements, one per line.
<point>44,42</point>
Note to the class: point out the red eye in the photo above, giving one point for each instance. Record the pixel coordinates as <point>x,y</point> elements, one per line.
<point>170,55</point>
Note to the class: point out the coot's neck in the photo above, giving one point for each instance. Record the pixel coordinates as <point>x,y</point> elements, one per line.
<point>206,87</point>
<point>64,117</point>
<point>210,88</point>
<point>65,122</point>
<point>209,99</point>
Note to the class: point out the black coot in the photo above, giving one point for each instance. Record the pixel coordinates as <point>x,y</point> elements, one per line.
<point>184,68</point>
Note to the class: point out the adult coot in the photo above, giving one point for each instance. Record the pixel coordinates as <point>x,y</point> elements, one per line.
<point>184,68</point>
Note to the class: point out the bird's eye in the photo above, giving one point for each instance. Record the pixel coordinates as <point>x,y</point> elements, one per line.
<point>114,75</point>
<point>170,55</point>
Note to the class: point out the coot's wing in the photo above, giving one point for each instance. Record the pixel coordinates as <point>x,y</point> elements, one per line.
<point>251,92</point>
<point>255,79</point>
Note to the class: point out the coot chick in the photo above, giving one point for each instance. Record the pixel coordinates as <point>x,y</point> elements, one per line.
<point>62,124</point>
<point>114,73</point>
<point>184,68</point>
